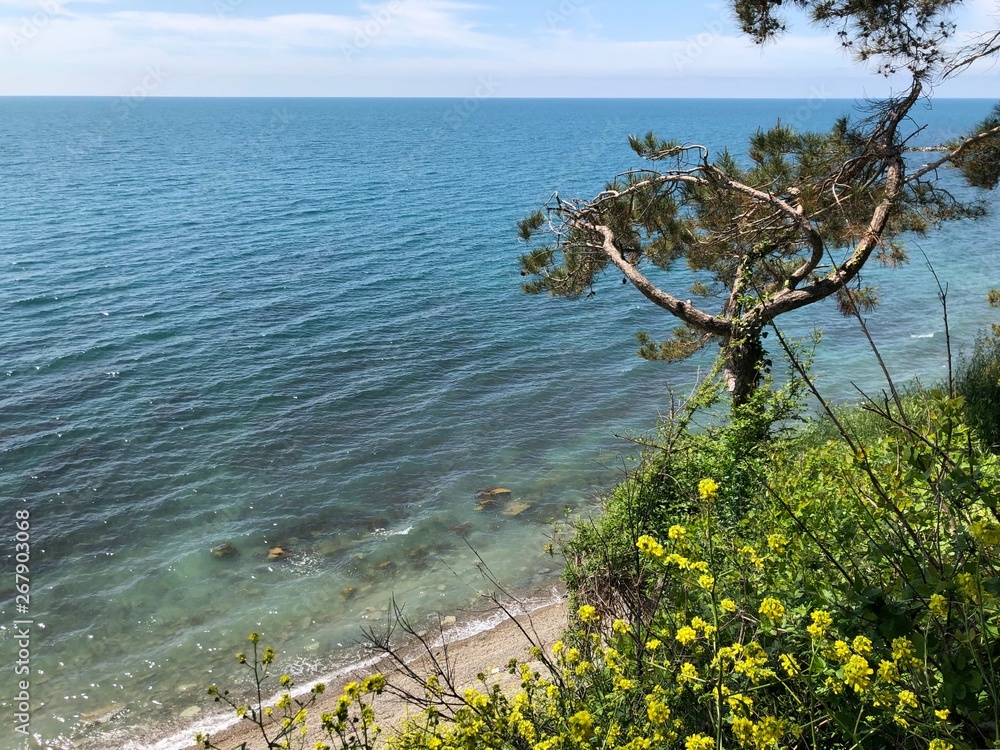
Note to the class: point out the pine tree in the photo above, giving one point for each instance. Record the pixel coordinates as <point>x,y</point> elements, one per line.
<point>794,223</point>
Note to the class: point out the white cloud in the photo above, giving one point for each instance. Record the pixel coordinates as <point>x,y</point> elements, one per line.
<point>400,47</point>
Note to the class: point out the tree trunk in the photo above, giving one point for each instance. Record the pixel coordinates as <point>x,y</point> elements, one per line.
<point>744,352</point>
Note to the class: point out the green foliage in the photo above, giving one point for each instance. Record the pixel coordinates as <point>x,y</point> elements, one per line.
<point>855,605</point>
<point>978,380</point>
<point>980,162</point>
<point>601,556</point>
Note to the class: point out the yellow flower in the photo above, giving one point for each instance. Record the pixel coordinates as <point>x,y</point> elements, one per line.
<point>686,635</point>
<point>772,609</point>
<point>967,583</point>
<point>679,560</point>
<point>862,645</point>
<point>581,726</point>
<point>658,712</point>
<point>706,582</point>
<point>743,730</point>
<point>653,643</point>
<point>689,673</point>
<point>940,745</point>
<point>768,732</point>
<point>588,614</point>
<point>901,649</point>
<point>907,700</point>
<point>699,741</point>
<point>708,489</point>
<point>475,699</point>
<point>677,532</point>
<point>728,605</point>
<point>888,672</point>
<point>285,680</point>
<point>857,673</point>
<point>777,542</point>
<point>986,532</point>
<point>740,702</point>
<point>254,638</point>
<point>841,650</point>
<point>373,684</point>
<point>821,621</point>
<point>649,546</point>
<point>938,606</point>
<point>788,664</point>
<point>621,627</point>
<point>942,714</point>
<point>624,683</point>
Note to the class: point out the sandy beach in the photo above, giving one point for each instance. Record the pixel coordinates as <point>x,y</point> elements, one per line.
<point>486,652</point>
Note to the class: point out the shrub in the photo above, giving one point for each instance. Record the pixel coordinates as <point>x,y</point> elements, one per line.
<point>978,380</point>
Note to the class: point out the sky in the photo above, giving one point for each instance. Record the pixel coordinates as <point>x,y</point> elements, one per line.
<point>453,48</point>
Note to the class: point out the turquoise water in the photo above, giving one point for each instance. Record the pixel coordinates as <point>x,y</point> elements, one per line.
<point>297,323</point>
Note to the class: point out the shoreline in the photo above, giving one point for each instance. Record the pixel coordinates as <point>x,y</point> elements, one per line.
<point>483,642</point>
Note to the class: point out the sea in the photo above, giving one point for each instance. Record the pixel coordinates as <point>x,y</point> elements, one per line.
<point>298,323</point>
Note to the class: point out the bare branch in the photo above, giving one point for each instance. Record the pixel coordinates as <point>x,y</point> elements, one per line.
<point>677,308</point>
<point>954,153</point>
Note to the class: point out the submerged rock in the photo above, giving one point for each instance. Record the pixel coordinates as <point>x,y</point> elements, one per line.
<point>493,492</point>
<point>278,553</point>
<point>515,509</point>
<point>226,549</point>
<point>102,715</point>
<point>190,711</point>
<point>348,591</point>
<point>491,497</point>
<point>329,547</point>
